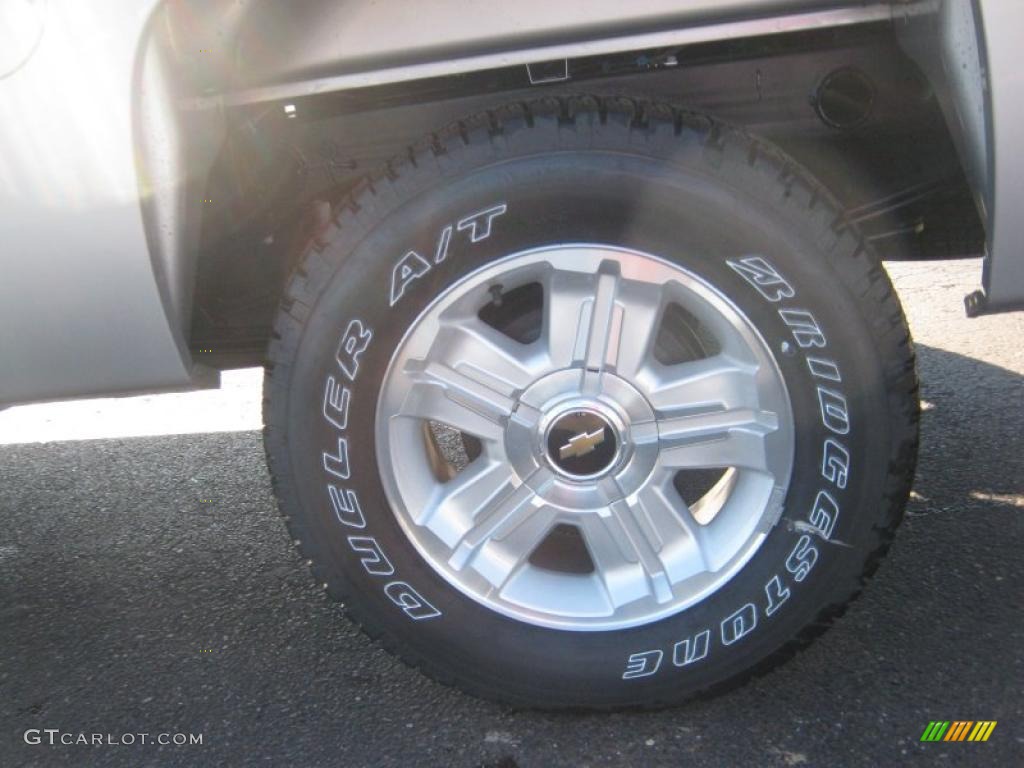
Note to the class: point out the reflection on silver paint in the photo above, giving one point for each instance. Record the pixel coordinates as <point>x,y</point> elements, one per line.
<point>21,28</point>
<point>80,308</point>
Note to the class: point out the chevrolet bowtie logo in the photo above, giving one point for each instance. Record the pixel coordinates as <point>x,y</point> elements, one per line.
<point>582,444</point>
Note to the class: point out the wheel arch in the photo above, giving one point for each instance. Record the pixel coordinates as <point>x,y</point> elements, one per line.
<point>269,114</point>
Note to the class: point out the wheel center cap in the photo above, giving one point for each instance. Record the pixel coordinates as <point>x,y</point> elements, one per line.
<point>581,443</point>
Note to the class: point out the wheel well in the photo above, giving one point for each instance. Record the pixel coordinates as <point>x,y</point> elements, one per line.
<point>846,103</point>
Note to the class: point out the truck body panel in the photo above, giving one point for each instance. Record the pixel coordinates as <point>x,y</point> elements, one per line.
<point>104,152</point>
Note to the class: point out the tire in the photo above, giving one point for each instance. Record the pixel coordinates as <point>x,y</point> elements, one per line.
<point>721,220</point>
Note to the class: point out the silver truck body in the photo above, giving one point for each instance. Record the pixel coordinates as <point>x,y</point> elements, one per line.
<point>101,157</point>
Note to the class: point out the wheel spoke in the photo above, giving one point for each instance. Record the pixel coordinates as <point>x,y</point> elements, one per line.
<point>625,547</point>
<point>582,321</point>
<point>504,533</point>
<point>642,305</point>
<point>474,348</point>
<point>682,543</point>
<point>733,438</point>
<point>451,513</point>
<point>714,383</point>
<point>441,393</point>
<point>469,378</point>
<point>708,415</point>
<point>599,334</point>
<point>513,549</point>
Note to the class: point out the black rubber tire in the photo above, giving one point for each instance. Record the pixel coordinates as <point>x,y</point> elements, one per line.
<point>722,203</point>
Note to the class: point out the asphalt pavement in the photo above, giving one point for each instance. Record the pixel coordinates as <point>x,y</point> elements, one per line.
<point>147,585</point>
